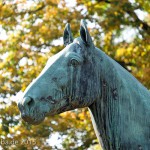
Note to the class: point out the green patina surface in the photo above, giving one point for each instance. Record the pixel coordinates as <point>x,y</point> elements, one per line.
<point>81,75</point>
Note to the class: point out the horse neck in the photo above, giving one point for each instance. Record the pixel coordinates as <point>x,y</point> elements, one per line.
<point>110,109</point>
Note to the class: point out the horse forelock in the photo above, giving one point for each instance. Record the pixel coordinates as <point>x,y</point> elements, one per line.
<point>79,41</point>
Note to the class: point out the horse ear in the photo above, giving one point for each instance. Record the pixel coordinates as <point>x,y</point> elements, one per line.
<point>84,33</point>
<point>67,37</point>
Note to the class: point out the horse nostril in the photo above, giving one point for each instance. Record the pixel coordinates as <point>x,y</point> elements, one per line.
<point>28,101</point>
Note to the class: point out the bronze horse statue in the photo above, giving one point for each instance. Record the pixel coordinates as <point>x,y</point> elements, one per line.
<point>81,75</point>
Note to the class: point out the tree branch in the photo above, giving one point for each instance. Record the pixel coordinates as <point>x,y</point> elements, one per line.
<point>34,11</point>
<point>106,1</point>
<point>130,10</point>
<point>141,23</point>
<point>30,12</point>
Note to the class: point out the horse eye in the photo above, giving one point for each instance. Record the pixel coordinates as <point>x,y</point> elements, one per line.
<point>74,62</point>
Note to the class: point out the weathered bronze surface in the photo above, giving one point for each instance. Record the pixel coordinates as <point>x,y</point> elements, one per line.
<point>81,75</point>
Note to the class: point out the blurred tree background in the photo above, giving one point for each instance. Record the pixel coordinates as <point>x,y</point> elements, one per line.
<point>31,31</point>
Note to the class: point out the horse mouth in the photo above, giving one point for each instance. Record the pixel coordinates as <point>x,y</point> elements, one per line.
<point>34,120</point>
<point>31,116</point>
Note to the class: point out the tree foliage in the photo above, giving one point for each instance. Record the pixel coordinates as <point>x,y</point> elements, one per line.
<point>34,32</point>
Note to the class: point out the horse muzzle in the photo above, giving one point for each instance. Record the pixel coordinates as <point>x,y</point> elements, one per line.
<point>29,112</point>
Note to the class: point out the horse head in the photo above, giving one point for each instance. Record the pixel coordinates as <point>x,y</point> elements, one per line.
<point>65,83</point>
